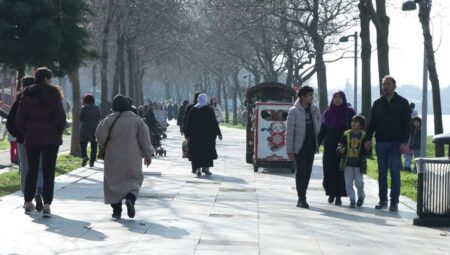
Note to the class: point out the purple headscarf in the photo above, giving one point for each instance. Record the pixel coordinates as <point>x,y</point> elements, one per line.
<point>338,116</point>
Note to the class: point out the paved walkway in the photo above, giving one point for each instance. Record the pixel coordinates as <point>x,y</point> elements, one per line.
<point>235,211</point>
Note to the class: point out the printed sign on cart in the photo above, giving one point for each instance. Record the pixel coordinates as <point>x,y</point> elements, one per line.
<point>271,127</point>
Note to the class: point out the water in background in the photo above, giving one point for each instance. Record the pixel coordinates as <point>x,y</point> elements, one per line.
<point>430,124</point>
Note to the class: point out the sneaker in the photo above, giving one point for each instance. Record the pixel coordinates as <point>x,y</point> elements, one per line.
<point>83,163</point>
<point>199,172</point>
<point>360,202</point>
<point>338,201</point>
<point>28,208</point>
<point>393,207</point>
<point>330,199</point>
<point>381,205</point>
<point>91,164</point>
<point>207,172</point>
<point>46,213</point>
<point>302,203</point>
<point>116,216</point>
<point>130,208</point>
<point>39,204</point>
<point>352,204</point>
<point>194,171</point>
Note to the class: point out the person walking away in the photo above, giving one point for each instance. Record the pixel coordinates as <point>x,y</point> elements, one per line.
<point>336,120</point>
<point>180,116</point>
<point>413,144</point>
<point>217,109</point>
<point>354,163</point>
<point>202,130</point>
<point>41,119</point>
<point>170,111</point>
<point>303,125</point>
<point>23,159</point>
<point>126,140</point>
<point>391,123</point>
<point>89,118</point>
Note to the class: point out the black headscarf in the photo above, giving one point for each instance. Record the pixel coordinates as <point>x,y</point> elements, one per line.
<point>120,104</point>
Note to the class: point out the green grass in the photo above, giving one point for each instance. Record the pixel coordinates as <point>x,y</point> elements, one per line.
<point>4,144</point>
<point>10,181</point>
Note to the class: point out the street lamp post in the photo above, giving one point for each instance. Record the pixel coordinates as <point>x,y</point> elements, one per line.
<point>355,83</point>
<point>410,6</point>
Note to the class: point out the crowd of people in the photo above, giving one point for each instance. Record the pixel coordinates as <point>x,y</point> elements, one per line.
<point>347,141</point>
<point>37,120</point>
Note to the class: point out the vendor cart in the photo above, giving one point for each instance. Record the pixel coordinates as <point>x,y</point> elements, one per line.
<point>268,105</point>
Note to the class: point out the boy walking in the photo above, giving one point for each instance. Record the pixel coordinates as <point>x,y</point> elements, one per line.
<point>354,162</point>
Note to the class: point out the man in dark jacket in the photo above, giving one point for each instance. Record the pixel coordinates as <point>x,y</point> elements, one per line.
<point>391,123</point>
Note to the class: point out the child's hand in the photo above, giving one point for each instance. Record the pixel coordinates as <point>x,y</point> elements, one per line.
<point>340,149</point>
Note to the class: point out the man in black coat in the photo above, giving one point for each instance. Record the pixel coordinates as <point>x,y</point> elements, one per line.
<point>391,123</point>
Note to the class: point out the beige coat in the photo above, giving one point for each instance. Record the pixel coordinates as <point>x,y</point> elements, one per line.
<point>128,143</point>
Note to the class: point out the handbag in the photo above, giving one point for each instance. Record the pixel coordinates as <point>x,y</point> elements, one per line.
<point>101,150</point>
<point>185,148</point>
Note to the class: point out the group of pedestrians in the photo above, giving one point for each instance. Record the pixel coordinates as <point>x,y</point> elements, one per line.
<point>347,142</point>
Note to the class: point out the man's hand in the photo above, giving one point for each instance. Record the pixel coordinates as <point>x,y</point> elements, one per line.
<point>291,156</point>
<point>147,162</point>
<point>220,137</point>
<point>403,148</point>
<point>368,145</point>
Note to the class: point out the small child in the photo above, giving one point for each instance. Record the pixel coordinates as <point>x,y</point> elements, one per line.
<point>414,144</point>
<point>353,161</point>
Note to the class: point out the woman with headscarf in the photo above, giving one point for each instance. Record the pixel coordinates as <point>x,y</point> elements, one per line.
<point>126,140</point>
<point>202,130</point>
<point>336,119</point>
<point>89,119</point>
<point>41,119</point>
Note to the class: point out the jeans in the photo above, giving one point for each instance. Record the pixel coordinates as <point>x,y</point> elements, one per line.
<point>409,156</point>
<point>48,154</point>
<point>23,167</point>
<point>354,175</point>
<point>304,161</point>
<point>83,147</point>
<point>388,157</point>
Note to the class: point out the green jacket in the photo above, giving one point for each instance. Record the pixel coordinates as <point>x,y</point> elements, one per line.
<point>345,141</point>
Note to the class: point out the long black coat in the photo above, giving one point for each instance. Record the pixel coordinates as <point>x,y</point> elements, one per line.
<point>89,118</point>
<point>202,130</point>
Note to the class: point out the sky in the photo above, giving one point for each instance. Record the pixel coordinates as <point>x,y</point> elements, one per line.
<point>406,49</point>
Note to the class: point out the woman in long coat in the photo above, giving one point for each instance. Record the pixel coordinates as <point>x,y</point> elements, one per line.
<point>202,130</point>
<point>129,141</point>
<point>89,119</point>
<point>336,119</point>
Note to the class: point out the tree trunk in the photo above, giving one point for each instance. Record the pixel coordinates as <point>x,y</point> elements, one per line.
<point>74,77</point>
<point>382,41</point>
<point>20,75</point>
<point>131,71</point>
<point>119,66</point>
<point>219,85</point>
<point>123,85</point>
<point>424,16</point>
<point>366,54</point>
<point>235,95</point>
<point>225,102</point>
<point>104,106</point>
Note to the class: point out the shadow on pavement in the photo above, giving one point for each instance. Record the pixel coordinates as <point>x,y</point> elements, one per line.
<point>155,229</point>
<point>224,178</point>
<point>351,217</point>
<point>69,228</point>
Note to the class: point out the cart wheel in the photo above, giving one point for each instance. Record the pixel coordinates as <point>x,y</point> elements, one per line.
<point>255,167</point>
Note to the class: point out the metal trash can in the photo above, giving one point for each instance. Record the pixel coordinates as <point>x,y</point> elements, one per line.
<point>433,188</point>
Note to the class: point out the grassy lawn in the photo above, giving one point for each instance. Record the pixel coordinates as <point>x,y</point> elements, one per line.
<point>10,182</point>
<point>4,144</point>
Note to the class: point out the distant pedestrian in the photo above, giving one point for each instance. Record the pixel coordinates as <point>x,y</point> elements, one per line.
<point>180,116</point>
<point>336,119</point>
<point>391,123</point>
<point>126,140</point>
<point>41,119</point>
<point>303,125</point>
<point>217,109</point>
<point>413,144</point>
<point>23,158</point>
<point>414,113</point>
<point>89,118</point>
<point>202,130</point>
<point>354,163</point>
<point>170,111</point>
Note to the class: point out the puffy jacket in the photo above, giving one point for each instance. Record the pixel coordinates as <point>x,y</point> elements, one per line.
<point>296,126</point>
